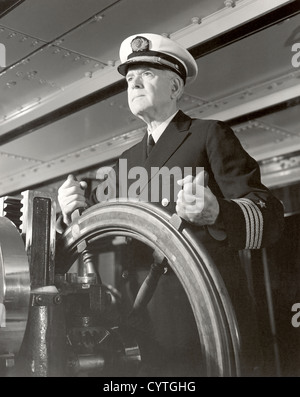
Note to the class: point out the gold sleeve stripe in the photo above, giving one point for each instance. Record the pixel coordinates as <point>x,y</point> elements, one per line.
<point>247,222</point>
<point>253,221</point>
<point>259,222</point>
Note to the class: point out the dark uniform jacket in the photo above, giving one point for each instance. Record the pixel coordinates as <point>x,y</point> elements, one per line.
<point>252,217</point>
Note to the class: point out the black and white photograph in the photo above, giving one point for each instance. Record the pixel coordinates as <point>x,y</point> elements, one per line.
<point>149,191</point>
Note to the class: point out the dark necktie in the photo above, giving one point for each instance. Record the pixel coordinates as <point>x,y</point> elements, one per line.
<point>150,144</point>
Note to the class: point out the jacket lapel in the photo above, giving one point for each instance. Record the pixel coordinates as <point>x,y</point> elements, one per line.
<point>174,135</point>
<point>170,140</point>
<point>138,154</point>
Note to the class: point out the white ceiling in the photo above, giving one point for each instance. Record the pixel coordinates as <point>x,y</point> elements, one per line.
<point>60,50</point>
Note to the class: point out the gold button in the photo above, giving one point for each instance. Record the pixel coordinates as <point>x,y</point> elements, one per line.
<point>164,202</point>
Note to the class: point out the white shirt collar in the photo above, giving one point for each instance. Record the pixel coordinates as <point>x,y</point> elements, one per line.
<point>160,129</point>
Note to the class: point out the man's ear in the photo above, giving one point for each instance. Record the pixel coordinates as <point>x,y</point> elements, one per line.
<point>177,87</point>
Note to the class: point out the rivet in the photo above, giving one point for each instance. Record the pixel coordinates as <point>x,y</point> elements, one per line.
<point>57,300</point>
<point>98,18</point>
<point>38,299</point>
<point>11,84</point>
<point>229,3</point>
<point>31,74</point>
<point>196,20</point>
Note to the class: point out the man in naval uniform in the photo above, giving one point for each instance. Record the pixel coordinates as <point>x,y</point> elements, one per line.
<point>232,210</point>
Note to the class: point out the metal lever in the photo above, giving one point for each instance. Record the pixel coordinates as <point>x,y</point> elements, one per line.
<point>87,266</point>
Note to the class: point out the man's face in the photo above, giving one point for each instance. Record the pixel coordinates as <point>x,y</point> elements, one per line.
<point>149,90</point>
